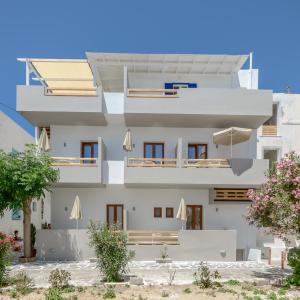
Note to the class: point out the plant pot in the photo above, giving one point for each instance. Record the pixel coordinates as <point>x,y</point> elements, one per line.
<point>163,260</point>
<point>33,252</point>
<point>23,259</point>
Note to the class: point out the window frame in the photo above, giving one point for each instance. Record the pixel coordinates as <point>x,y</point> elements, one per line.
<point>90,143</point>
<point>160,210</point>
<point>171,216</point>
<point>153,148</point>
<point>196,145</point>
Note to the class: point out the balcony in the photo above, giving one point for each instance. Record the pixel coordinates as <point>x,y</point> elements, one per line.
<point>197,107</point>
<point>201,173</point>
<point>269,130</point>
<point>80,172</point>
<point>43,109</point>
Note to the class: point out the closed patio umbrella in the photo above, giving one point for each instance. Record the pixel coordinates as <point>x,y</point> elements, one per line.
<point>181,214</point>
<point>127,144</point>
<point>43,142</point>
<point>232,136</point>
<point>76,211</point>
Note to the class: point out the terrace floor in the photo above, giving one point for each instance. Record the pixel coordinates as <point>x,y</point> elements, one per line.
<point>85,273</point>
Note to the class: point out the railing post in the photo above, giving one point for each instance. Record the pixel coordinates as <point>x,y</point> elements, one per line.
<point>179,153</point>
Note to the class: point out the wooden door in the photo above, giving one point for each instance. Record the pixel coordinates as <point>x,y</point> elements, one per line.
<point>114,214</point>
<point>194,217</point>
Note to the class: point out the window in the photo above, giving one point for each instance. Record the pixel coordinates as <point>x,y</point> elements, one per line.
<point>34,206</point>
<point>154,150</point>
<point>197,151</point>
<point>89,150</point>
<point>169,212</point>
<point>16,215</point>
<point>157,212</point>
<point>179,85</point>
<point>271,155</point>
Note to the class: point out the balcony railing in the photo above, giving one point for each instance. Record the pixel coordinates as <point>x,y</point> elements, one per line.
<point>152,162</point>
<point>152,93</point>
<point>269,130</point>
<point>206,163</point>
<point>172,163</point>
<point>75,161</point>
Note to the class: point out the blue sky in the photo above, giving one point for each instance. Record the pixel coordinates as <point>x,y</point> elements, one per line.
<point>66,29</point>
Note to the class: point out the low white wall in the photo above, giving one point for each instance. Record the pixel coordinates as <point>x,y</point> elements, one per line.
<point>212,245</point>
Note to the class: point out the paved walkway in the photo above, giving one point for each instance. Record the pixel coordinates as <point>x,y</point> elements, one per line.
<point>85,273</point>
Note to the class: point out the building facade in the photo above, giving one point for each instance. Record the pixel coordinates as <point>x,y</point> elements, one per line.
<point>172,105</point>
<point>280,134</point>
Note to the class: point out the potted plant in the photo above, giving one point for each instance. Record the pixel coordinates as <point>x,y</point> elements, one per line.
<point>164,256</point>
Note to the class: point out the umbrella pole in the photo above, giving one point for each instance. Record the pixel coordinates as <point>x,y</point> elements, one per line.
<point>231,145</point>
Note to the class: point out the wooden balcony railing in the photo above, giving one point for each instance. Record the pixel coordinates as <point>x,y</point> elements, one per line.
<point>269,130</point>
<point>206,163</point>
<point>75,161</point>
<point>231,195</point>
<point>152,162</point>
<point>152,93</point>
<point>152,237</point>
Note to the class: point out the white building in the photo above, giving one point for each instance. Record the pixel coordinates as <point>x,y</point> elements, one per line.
<point>173,104</point>
<point>14,138</point>
<point>280,134</point>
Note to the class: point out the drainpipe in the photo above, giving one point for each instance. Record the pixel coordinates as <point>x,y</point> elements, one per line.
<point>179,153</point>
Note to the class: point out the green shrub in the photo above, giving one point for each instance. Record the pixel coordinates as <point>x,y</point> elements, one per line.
<point>110,244</point>
<point>257,291</point>
<point>272,296</point>
<point>204,278</point>
<point>109,293</point>
<point>187,290</point>
<point>59,278</point>
<point>232,282</point>
<point>294,263</point>
<point>165,294</point>
<point>23,283</point>
<point>54,294</point>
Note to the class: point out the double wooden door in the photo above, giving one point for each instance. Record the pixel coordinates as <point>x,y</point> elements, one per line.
<point>194,215</point>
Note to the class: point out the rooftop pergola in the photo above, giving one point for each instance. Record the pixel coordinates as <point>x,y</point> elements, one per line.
<point>81,76</point>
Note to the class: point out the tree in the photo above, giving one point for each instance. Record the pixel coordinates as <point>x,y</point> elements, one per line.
<point>23,177</point>
<point>277,204</point>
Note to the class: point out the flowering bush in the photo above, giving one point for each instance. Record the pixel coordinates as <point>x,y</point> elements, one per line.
<point>6,244</point>
<point>277,204</point>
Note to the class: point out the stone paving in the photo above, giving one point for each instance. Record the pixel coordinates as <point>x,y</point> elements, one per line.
<point>85,273</point>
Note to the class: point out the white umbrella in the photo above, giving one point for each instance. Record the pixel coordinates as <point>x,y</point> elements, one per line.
<point>232,136</point>
<point>181,214</point>
<point>127,144</point>
<point>76,211</point>
<point>43,142</point>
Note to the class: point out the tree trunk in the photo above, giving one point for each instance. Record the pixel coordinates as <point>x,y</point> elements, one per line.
<point>27,227</point>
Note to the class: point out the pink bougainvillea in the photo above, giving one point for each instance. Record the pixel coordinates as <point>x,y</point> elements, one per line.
<point>276,204</point>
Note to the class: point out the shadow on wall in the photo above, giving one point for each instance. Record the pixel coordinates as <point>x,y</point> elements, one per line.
<point>240,165</point>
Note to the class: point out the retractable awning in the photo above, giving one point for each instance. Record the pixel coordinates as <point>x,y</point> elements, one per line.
<point>64,76</point>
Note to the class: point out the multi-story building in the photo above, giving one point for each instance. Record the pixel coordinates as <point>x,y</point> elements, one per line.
<point>14,138</point>
<point>172,105</point>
